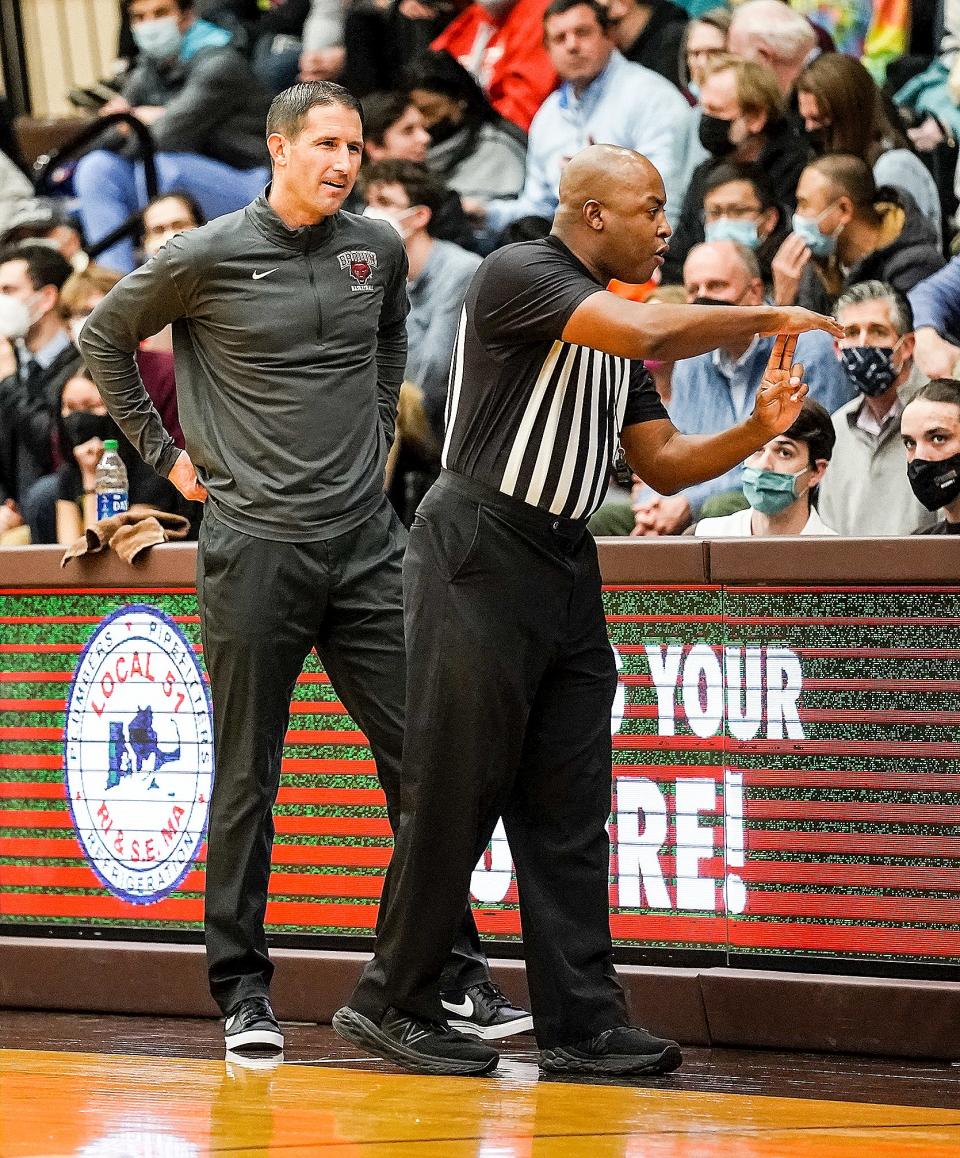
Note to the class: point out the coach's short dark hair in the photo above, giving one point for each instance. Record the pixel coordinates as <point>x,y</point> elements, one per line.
<point>558,7</point>
<point>416,180</point>
<point>290,107</point>
<point>45,265</point>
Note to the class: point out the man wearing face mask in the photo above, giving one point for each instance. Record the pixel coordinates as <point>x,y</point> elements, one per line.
<point>42,357</point>
<point>930,429</point>
<point>406,195</point>
<point>714,390</point>
<point>780,482</point>
<point>741,204</point>
<point>866,491</point>
<point>846,230</point>
<point>742,122</point>
<point>205,110</point>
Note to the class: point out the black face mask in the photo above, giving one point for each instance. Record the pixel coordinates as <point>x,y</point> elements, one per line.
<point>81,426</point>
<point>936,484</point>
<point>715,135</point>
<point>443,130</point>
<point>705,301</point>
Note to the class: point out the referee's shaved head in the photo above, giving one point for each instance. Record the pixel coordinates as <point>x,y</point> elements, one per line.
<point>611,212</point>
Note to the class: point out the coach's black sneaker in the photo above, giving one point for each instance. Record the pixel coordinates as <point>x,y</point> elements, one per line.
<point>621,1051</point>
<point>426,1047</point>
<point>252,1029</point>
<point>484,1011</point>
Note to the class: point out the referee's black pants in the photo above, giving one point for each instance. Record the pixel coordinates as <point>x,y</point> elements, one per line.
<point>511,681</point>
<point>263,606</point>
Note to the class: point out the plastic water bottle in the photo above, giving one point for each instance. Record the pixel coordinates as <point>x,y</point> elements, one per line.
<point>111,482</point>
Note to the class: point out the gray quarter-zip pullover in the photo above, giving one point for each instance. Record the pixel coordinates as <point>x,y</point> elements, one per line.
<point>290,348</point>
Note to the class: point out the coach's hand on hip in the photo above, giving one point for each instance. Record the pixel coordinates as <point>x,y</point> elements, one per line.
<point>184,478</point>
<point>781,392</point>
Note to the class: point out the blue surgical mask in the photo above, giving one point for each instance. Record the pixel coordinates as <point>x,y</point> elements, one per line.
<point>808,230</point>
<point>733,229</point>
<point>768,491</point>
<point>158,39</point>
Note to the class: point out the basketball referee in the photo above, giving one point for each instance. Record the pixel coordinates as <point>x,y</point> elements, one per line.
<point>511,673</point>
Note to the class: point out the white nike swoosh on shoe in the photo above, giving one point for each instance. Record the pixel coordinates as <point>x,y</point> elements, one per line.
<point>463,1009</point>
<point>257,276</point>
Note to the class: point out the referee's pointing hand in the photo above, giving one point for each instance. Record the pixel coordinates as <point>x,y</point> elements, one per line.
<point>782,389</point>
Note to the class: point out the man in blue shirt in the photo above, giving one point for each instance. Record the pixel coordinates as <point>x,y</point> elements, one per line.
<point>715,390</point>
<point>604,98</point>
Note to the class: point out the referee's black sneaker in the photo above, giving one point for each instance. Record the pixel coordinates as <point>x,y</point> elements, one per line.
<point>252,1029</point>
<point>484,1011</point>
<point>426,1047</point>
<point>622,1051</point>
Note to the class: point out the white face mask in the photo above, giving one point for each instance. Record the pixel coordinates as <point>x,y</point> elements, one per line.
<point>158,39</point>
<point>15,317</point>
<point>392,216</point>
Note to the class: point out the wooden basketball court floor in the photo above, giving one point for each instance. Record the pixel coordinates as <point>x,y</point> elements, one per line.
<point>133,1087</point>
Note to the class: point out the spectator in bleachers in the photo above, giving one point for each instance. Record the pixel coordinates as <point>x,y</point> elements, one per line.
<point>439,272</point>
<point>45,219</point>
<point>843,112</point>
<point>705,38</point>
<point>205,110</point>
<point>32,276</point>
<point>501,43</point>
<point>649,32</point>
<point>166,215</point>
<point>322,53</point>
<point>473,150</point>
<point>80,294</point>
<point>715,390</point>
<point>83,425</point>
<point>846,230</point>
<point>936,315</point>
<point>394,130</point>
<point>780,482</point>
<point>382,38</point>
<point>930,430</point>
<point>771,33</point>
<point>603,98</point>
<point>866,491</point>
<point>277,44</point>
<point>742,120</point>
<point>740,204</point>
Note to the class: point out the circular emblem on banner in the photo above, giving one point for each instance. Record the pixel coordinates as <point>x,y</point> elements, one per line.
<point>138,753</point>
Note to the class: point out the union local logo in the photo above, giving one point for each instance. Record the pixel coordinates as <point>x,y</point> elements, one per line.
<point>138,753</point>
<point>361,263</point>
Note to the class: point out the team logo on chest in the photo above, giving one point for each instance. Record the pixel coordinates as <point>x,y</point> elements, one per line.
<point>361,263</point>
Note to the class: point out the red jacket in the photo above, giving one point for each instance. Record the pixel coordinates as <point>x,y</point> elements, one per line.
<point>513,67</point>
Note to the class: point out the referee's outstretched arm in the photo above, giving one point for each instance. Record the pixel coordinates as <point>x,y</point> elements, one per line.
<point>670,461</point>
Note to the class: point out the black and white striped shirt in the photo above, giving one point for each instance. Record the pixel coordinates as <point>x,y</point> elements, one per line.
<point>527,413</point>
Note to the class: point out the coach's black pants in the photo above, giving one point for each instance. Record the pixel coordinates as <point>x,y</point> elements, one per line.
<point>264,605</point>
<point>511,684</point>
